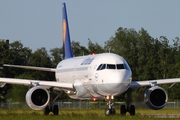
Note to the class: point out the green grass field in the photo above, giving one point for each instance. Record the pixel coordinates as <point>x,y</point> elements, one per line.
<point>87,114</point>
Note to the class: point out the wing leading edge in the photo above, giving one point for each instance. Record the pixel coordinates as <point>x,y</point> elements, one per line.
<point>137,84</point>
<point>31,67</point>
<point>27,82</point>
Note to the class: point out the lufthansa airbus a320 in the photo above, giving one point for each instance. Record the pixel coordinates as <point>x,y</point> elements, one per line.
<point>101,76</point>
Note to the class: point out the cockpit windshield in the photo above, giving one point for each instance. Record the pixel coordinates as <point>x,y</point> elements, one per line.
<point>111,66</point>
<point>120,66</point>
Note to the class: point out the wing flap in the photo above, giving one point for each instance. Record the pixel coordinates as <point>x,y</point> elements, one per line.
<point>136,84</point>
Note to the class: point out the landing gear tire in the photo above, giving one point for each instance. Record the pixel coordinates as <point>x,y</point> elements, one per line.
<point>55,110</point>
<point>128,107</point>
<point>46,110</point>
<point>132,110</point>
<point>113,111</point>
<point>107,112</point>
<point>110,111</point>
<point>123,110</point>
<point>51,107</point>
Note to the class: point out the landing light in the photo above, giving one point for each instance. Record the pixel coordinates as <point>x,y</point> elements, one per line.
<point>107,97</point>
<point>112,97</point>
<point>94,99</point>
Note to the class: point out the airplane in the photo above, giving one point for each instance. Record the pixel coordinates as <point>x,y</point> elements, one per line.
<point>100,76</point>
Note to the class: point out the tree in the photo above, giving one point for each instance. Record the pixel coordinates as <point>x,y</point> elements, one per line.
<point>79,50</point>
<point>56,56</point>
<point>149,58</point>
<point>146,56</point>
<point>16,55</point>
<point>95,48</point>
<point>40,58</point>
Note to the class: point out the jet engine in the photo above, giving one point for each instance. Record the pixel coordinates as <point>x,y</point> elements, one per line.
<point>37,98</point>
<point>155,98</point>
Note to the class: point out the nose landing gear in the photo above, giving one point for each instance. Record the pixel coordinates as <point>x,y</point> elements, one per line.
<point>124,108</point>
<point>110,110</point>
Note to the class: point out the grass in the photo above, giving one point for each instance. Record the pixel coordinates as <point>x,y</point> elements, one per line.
<point>85,114</point>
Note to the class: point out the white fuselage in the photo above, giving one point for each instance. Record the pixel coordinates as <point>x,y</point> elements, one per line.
<point>95,75</point>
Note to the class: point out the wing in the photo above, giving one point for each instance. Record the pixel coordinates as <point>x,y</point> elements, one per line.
<point>136,84</point>
<point>27,82</point>
<point>32,68</point>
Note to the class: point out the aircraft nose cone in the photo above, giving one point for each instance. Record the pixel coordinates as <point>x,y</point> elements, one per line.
<point>119,81</point>
<point>118,77</point>
<point>115,83</point>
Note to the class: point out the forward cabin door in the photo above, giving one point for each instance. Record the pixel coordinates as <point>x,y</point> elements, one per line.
<point>90,75</point>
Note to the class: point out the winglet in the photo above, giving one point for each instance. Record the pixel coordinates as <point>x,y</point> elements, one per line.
<point>66,35</point>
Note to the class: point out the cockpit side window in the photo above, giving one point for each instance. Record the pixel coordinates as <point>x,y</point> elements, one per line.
<point>111,66</point>
<point>101,67</point>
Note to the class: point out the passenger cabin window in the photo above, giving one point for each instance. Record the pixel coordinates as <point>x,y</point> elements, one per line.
<point>111,66</point>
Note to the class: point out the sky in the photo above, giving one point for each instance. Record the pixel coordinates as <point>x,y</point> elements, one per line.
<point>38,23</point>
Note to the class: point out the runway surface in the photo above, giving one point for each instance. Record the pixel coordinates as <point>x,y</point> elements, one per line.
<point>162,115</point>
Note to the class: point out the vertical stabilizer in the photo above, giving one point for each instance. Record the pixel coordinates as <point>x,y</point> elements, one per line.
<point>65,34</point>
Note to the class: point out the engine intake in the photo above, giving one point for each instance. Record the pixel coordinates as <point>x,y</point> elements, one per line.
<point>155,98</point>
<point>37,98</point>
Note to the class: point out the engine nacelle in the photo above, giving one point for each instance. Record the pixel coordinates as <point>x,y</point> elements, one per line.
<point>37,98</point>
<point>155,98</point>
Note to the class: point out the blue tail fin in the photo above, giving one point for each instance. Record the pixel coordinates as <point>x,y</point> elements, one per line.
<point>65,34</point>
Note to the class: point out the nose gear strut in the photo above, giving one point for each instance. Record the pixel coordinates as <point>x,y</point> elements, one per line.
<point>124,108</point>
<point>110,110</point>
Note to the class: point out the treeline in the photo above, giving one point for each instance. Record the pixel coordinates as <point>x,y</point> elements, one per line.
<point>149,58</point>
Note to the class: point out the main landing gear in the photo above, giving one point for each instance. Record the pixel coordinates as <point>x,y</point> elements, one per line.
<point>128,107</point>
<point>124,108</point>
<point>51,107</point>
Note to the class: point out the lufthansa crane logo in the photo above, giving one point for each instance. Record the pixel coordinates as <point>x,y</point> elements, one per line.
<point>64,30</point>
